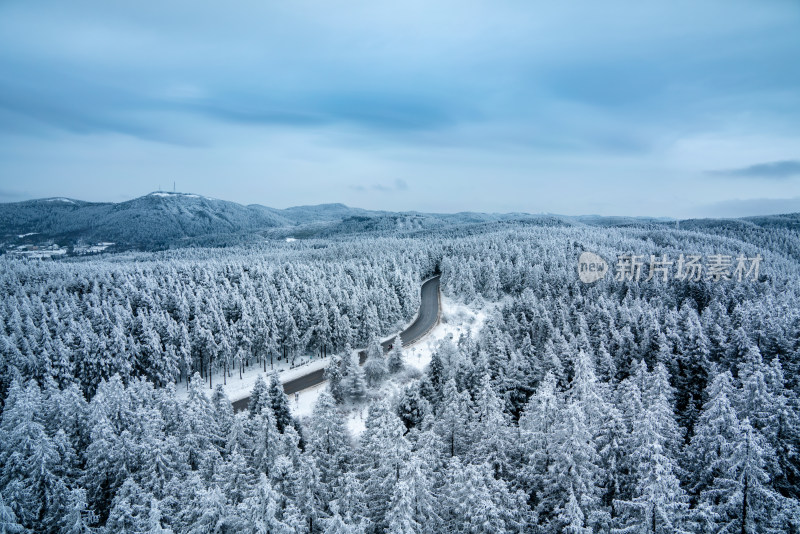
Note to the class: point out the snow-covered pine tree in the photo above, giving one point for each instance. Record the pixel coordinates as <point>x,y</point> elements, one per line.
<point>356,383</point>
<point>452,420</point>
<point>375,369</point>
<point>328,443</point>
<point>740,496</point>
<point>333,374</point>
<point>395,360</point>
<point>264,437</point>
<point>130,510</point>
<point>279,403</point>
<point>572,517</point>
<point>260,510</point>
<point>490,432</point>
<point>716,433</point>
<point>660,504</point>
<point>383,451</point>
<point>29,458</point>
<point>472,501</point>
<point>414,501</point>
<point>412,408</point>
<point>536,444</point>
<point>259,397</point>
<point>9,524</point>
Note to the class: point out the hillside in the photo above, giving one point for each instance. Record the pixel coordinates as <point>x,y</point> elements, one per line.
<point>164,220</point>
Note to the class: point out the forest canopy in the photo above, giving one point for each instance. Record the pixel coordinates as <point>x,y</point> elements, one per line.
<point>618,406</point>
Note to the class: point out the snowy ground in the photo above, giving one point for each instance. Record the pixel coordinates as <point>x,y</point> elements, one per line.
<point>238,389</point>
<point>456,319</point>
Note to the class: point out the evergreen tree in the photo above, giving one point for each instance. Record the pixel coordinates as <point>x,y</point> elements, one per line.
<point>350,500</point>
<point>8,520</point>
<point>375,369</point>
<point>572,517</point>
<point>265,441</point>
<point>490,432</point>
<point>614,459</point>
<point>716,433</point>
<point>413,505</point>
<point>328,443</point>
<point>259,397</point>
<point>223,410</point>
<point>130,510</point>
<point>537,437</point>
<point>412,408</point>
<point>401,512</point>
<point>660,504</point>
<point>452,420</point>
<point>474,502</point>
<point>198,429</point>
<point>260,510</point>
<point>588,393</point>
<point>338,525</point>
<point>395,360</point>
<point>383,451</point>
<point>356,384</point>
<point>28,456</point>
<point>436,373</point>
<point>279,403</point>
<point>334,375</point>
<point>575,466</point>
<point>741,497</point>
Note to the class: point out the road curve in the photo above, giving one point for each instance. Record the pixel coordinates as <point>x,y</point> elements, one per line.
<point>426,319</point>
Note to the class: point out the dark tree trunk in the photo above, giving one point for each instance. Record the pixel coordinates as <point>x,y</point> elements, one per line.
<point>744,507</point>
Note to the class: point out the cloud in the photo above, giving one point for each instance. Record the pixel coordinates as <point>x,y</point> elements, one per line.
<point>398,185</point>
<point>776,170</point>
<point>511,96</point>
<point>749,207</point>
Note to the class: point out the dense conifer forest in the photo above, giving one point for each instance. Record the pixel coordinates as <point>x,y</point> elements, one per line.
<point>630,406</point>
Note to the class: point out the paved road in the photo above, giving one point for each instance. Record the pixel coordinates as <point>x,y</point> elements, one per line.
<point>426,319</point>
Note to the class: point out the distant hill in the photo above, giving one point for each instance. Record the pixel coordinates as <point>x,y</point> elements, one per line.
<point>158,219</point>
<point>163,219</point>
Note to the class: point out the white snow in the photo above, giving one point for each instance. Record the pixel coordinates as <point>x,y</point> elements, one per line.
<point>355,421</point>
<point>60,199</point>
<point>92,249</point>
<point>38,254</point>
<point>26,235</point>
<point>237,389</point>
<point>290,239</point>
<point>456,319</point>
<point>162,194</point>
<point>302,403</point>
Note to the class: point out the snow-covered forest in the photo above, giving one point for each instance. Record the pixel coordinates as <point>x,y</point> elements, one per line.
<point>621,406</point>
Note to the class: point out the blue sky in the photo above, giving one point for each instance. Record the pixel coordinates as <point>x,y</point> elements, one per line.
<point>678,108</point>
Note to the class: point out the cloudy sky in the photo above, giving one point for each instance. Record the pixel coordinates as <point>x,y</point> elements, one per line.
<point>678,108</point>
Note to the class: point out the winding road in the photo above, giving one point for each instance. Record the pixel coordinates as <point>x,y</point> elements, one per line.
<point>426,319</point>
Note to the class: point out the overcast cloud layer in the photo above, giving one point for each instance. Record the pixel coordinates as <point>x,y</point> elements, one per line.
<point>630,108</point>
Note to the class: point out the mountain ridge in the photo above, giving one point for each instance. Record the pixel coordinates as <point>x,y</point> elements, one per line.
<point>164,219</point>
